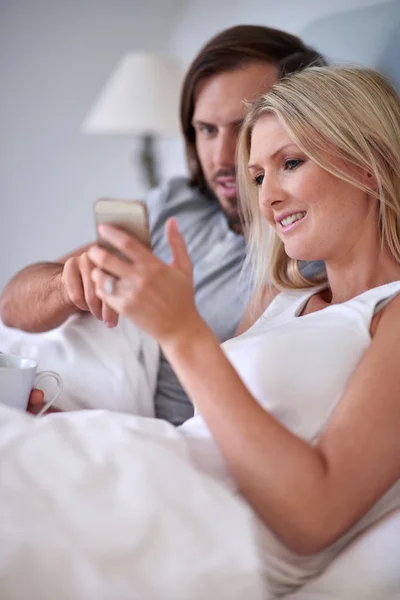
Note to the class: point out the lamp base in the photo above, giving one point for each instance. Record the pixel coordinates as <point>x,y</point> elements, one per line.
<point>148,160</point>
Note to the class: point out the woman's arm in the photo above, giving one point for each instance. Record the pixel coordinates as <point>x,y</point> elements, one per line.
<point>308,495</point>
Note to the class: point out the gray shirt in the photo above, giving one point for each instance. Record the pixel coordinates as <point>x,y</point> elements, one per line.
<point>217,255</point>
<point>221,290</point>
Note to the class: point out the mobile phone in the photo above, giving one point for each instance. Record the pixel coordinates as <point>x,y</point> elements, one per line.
<point>129,215</point>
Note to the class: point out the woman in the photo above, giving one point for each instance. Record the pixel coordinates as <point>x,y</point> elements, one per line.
<point>303,404</point>
<point>319,162</point>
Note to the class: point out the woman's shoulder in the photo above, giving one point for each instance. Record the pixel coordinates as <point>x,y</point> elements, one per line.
<point>257,305</point>
<point>387,309</point>
<point>270,298</point>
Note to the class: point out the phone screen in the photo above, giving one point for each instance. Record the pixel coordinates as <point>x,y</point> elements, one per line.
<point>129,215</point>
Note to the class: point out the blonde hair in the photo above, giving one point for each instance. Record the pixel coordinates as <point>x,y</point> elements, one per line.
<point>355,113</point>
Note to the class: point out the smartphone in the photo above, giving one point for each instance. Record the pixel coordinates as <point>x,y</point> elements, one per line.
<point>129,215</point>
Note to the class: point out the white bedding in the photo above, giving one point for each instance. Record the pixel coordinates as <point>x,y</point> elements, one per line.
<point>103,506</point>
<point>129,517</point>
<point>113,369</point>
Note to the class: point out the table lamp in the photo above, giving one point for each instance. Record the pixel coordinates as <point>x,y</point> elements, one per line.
<point>140,98</point>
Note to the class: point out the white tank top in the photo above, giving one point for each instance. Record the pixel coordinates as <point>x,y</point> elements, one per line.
<point>297,368</point>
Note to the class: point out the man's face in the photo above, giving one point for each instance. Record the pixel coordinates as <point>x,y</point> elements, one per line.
<point>218,114</point>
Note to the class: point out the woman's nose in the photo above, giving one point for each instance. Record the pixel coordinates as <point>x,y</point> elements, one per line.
<point>270,192</point>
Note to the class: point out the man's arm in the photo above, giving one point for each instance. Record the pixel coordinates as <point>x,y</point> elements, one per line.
<point>33,300</point>
<point>43,295</point>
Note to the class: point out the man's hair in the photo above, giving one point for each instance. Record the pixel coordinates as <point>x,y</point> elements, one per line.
<point>347,121</point>
<point>227,51</point>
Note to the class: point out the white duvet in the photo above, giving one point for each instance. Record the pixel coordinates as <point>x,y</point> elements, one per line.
<point>103,506</point>
<point>106,506</point>
<point>100,505</point>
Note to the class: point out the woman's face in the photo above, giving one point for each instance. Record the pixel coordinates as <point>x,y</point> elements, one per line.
<point>315,214</point>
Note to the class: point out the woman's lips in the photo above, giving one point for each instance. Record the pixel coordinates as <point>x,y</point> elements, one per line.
<point>286,228</point>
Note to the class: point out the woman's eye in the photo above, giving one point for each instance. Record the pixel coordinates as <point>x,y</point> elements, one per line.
<point>292,163</point>
<point>258,180</point>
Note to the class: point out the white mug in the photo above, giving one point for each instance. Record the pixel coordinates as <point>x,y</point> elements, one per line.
<point>17,379</point>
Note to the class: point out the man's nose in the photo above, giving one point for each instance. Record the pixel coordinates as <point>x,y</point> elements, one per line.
<point>225,149</point>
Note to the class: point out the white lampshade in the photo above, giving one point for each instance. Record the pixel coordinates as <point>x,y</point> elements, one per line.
<point>140,97</point>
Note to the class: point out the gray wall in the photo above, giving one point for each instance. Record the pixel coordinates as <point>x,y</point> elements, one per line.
<point>367,36</point>
<point>348,29</point>
<point>54,58</point>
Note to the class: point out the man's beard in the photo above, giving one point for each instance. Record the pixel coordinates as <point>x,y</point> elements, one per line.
<point>234,221</point>
<point>231,212</point>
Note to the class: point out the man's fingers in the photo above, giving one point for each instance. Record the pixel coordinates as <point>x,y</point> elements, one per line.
<point>93,302</point>
<point>36,402</point>
<point>36,397</point>
<point>72,281</point>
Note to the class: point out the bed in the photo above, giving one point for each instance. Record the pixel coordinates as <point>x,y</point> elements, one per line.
<point>188,538</point>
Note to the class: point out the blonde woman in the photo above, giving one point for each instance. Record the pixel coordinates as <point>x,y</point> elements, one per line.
<point>303,405</point>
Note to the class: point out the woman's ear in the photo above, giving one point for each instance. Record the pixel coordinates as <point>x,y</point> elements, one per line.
<point>371,181</point>
<point>365,177</point>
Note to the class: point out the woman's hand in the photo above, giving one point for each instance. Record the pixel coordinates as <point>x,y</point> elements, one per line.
<point>36,403</point>
<point>158,297</point>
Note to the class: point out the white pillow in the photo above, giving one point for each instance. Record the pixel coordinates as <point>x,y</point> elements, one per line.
<point>114,369</point>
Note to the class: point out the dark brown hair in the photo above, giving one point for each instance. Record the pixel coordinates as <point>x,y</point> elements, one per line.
<point>228,50</point>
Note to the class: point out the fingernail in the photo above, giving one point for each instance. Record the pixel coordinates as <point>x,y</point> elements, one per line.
<point>109,324</point>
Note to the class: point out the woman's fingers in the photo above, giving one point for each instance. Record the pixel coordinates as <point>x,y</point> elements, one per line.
<point>125,243</point>
<point>105,260</point>
<point>109,316</point>
<point>156,296</point>
<point>110,290</point>
<point>180,255</point>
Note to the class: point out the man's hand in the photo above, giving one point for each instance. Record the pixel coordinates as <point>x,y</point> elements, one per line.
<point>78,289</point>
<point>43,296</point>
<point>36,403</point>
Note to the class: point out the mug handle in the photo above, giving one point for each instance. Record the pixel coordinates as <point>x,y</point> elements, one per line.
<point>42,375</point>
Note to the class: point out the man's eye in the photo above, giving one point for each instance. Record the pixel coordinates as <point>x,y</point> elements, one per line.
<point>292,163</point>
<point>258,179</point>
<point>207,129</point>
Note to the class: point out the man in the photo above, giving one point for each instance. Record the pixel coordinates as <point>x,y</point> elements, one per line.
<point>233,67</point>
